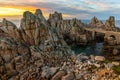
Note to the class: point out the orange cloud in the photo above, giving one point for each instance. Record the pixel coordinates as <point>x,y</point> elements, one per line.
<point>16,10</point>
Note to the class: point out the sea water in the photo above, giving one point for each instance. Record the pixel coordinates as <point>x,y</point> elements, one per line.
<point>95,49</point>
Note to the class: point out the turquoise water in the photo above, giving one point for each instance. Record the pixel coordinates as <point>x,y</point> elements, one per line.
<point>93,49</point>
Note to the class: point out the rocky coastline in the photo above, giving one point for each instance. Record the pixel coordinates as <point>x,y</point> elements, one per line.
<point>40,49</point>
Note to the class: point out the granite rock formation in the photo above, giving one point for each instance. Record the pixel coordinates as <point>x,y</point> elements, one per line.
<point>72,30</point>
<point>110,24</point>
<point>24,49</point>
<point>37,51</point>
<point>95,23</point>
<point>54,18</point>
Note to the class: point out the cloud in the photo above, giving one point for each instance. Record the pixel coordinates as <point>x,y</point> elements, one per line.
<point>69,8</point>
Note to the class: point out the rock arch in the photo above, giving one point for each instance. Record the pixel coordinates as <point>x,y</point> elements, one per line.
<point>112,37</point>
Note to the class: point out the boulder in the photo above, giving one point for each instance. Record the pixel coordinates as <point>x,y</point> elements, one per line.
<point>59,75</point>
<point>48,72</point>
<point>115,51</point>
<point>92,57</point>
<point>97,65</point>
<point>116,63</point>
<point>69,76</point>
<point>99,58</point>
<point>82,57</point>
<point>108,66</point>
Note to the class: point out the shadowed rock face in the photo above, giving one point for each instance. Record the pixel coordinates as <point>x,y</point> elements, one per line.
<point>26,48</point>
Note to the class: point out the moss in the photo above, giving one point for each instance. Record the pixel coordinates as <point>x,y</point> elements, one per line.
<point>107,61</point>
<point>116,69</point>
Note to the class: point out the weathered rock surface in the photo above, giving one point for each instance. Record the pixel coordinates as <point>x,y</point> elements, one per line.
<point>59,75</point>
<point>9,29</point>
<point>100,58</point>
<point>35,31</point>
<point>95,23</point>
<point>54,18</point>
<point>23,50</point>
<point>69,76</point>
<point>72,30</point>
<point>37,51</point>
<point>110,24</point>
<point>116,63</point>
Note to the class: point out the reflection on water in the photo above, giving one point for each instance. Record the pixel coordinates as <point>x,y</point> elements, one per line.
<point>93,49</point>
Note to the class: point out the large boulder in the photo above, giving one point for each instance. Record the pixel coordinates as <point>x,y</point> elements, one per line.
<point>99,58</point>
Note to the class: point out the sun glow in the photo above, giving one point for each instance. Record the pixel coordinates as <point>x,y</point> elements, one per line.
<point>14,11</point>
<point>10,11</point>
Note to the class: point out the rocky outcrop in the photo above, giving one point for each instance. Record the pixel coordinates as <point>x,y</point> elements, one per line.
<point>54,18</point>
<point>37,51</point>
<point>10,29</point>
<point>95,23</point>
<point>72,30</point>
<point>110,24</point>
<point>23,50</point>
<point>35,31</point>
<point>94,20</point>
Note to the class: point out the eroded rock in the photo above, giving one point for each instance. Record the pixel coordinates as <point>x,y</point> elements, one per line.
<point>110,24</point>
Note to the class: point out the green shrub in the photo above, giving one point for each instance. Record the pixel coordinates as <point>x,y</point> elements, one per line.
<point>116,69</point>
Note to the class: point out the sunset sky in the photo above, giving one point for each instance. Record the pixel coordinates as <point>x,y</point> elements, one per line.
<point>82,9</point>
